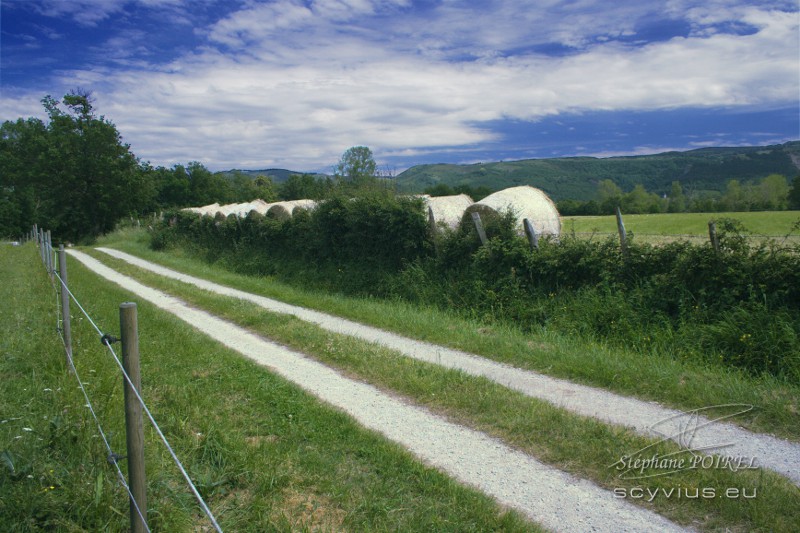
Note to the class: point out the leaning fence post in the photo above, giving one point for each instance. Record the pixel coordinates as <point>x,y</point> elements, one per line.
<point>623,236</point>
<point>530,232</point>
<point>41,244</point>
<point>476,219</point>
<point>129,334</point>
<point>712,235</point>
<point>65,322</point>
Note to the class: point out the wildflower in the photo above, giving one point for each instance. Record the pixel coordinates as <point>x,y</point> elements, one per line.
<point>27,429</point>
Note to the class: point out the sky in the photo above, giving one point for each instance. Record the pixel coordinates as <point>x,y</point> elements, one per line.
<point>256,84</point>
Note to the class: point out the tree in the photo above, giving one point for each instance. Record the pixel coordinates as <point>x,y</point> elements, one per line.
<point>304,186</point>
<point>677,200</point>
<point>641,201</point>
<point>773,192</point>
<point>172,185</point>
<point>73,175</point>
<point>356,165</point>
<point>609,195</point>
<point>794,193</point>
<point>735,197</point>
<point>23,149</point>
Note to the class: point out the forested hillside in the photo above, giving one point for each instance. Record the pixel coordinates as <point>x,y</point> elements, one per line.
<point>577,178</point>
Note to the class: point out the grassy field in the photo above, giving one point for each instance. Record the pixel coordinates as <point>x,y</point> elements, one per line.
<point>267,456</point>
<point>576,444</point>
<point>264,454</point>
<point>775,224</point>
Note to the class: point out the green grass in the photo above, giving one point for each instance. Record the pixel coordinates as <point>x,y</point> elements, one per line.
<point>573,443</point>
<point>265,455</point>
<point>681,384</point>
<point>776,224</point>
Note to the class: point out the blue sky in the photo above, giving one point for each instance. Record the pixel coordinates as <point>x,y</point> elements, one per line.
<point>294,83</point>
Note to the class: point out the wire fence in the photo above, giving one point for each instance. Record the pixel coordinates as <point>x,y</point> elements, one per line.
<point>60,286</point>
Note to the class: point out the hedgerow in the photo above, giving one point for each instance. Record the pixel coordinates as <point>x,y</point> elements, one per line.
<point>737,306</point>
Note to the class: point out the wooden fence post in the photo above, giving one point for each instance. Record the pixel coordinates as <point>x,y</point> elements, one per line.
<point>623,236</point>
<point>49,251</point>
<point>530,232</point>
<point>434,231</point>
<point>40,240</point>
<point>66,327</point>
<point>129,335</point>
<point>712,235</point>
<point>476,219</point>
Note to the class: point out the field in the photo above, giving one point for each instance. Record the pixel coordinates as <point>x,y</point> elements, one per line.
<point>264,454</point>
<point>690,226</point>
<point>271,457</point>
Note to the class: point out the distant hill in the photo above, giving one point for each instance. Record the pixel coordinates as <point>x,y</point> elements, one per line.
<point>705,169</point>
<point>278,175</point>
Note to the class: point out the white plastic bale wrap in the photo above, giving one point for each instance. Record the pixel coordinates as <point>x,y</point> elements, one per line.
<point>447,210</point>
<point>284,210</point>
<point>525,202</point>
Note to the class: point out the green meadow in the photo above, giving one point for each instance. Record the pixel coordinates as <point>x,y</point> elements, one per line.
<point>760,224</point>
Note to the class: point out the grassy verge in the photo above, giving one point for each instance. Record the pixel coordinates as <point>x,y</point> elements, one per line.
<point>681,384</point>
<point>265,455</point>
<point>577,444</point>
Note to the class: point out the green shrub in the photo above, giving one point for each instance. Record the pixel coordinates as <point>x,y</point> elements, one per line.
<point>739,306</point>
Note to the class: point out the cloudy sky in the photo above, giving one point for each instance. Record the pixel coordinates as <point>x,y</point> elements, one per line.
<point>294,83</point>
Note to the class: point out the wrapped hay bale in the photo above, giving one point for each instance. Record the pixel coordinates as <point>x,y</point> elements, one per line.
<point>284,210</point>
<point>260,206</point>
<point>229,209</point>
<point>447,210</point>
<point>525,202</point>
<point>243,209</point>
<point>210,209</point>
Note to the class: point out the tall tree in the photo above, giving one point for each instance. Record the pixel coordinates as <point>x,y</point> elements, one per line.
<point>357,165</point>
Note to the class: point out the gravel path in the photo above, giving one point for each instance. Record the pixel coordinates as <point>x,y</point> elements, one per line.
<point>689,429</point>
<point>546,495</point>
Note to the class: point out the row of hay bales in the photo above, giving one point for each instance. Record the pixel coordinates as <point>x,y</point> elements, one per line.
<point>524,201</point>
<point>449,211</point>
<point>279,210</point>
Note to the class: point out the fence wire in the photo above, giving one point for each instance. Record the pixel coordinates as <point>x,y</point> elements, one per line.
<point>112,457</point>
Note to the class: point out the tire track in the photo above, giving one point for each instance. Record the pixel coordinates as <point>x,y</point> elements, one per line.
<point>690,430</point>
<point>546,495</point>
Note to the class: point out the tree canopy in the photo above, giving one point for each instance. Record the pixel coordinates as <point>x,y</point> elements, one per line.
<point>357,165</point>
<point>73,173</point>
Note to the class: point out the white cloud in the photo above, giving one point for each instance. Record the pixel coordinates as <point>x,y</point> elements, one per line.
<point>295,84</point>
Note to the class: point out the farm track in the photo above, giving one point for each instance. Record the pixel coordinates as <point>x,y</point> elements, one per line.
<point>646,418</point>
<point>546,495</point>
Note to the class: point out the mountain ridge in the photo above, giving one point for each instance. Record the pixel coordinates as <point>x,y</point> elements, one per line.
<point>701,170</point>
